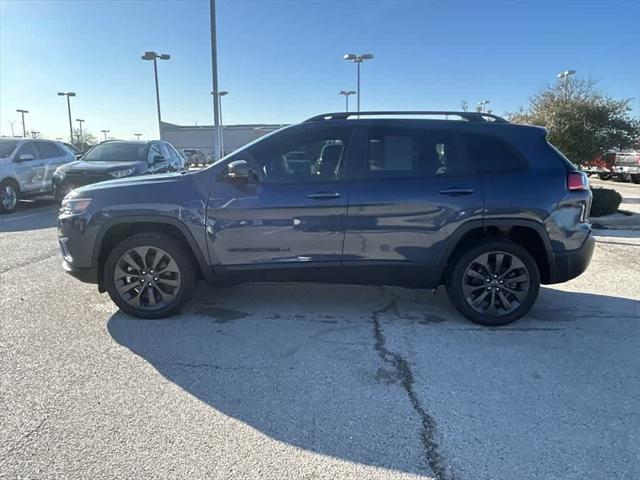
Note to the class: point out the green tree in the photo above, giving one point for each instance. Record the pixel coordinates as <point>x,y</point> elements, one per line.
<point>582,122</point>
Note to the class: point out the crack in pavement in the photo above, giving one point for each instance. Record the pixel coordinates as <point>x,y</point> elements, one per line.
<point>31,261</point>
<point>433,457</point>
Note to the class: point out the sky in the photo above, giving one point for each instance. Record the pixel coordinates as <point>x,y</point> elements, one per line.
<point>281,61</point>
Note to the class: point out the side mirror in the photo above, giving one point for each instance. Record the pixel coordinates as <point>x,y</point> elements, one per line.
<point>157,159</point>
<point>25,157</point>
<point>238,170</point>
<point>79,156</point>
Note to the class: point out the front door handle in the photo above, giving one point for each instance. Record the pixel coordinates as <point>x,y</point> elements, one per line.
<point>457,191</point>
<point>323,195</point>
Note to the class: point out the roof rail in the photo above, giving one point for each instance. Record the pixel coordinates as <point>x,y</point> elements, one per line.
<point>470,116</point>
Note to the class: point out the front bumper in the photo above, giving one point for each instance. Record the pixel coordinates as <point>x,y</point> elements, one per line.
<point>86,275</point>
<point>572,263</point>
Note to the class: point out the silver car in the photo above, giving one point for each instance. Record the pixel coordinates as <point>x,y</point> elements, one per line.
<point>26,168</point>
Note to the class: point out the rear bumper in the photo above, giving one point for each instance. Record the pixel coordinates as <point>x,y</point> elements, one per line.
<point>572,263</point>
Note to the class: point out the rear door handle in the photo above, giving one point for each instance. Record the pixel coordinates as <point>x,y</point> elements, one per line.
<point>323,195</point>
<point>457,191</point>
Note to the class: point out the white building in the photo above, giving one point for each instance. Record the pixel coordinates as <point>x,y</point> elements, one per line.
<point>201,137</point>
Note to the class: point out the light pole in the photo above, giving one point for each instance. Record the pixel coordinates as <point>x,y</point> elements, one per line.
<point>105,134</point>
<point>564,76</point>
<point>80,121</point>
<point>69,94</point>
<point>24,130</point>
<point>358,59</point>
<point>221,94</point>
<point>154,56</point>
<point>217,139</point>
<point>482,104</point>
<point>346,94</point>
<point>137,135</point>
<point>34,134</point>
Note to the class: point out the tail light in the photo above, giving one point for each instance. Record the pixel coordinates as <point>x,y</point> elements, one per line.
<point>577,181</point>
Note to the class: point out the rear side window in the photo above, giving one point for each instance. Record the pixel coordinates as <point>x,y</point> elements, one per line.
<point>489,154</point>
<point>47,150</point>
<point>396,152</point>
<point>29,148</point>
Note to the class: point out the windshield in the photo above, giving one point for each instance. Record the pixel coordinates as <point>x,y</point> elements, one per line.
<point>6,147</point>
<point>116,152</point>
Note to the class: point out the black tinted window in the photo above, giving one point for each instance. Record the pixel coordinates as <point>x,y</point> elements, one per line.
<point>47,150</point>
<point>116,152</point>
<point>311,156</point>
<point>394,152</point>
<point>29,149</point>
<point>489,154</point>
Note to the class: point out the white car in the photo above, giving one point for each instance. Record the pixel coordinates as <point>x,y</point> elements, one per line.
<point>627,166</point>
<point>26,168</point>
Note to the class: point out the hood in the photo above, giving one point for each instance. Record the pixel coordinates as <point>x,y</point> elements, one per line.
<point>83,166</point>
<point>132,182</point>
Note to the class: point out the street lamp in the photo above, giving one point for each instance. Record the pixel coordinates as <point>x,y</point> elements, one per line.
<point>79,120</point>
<point>137,135</point>
<point>221,94</point>
<point>564,76</point>
<point>346,94</point>
<point>34,134</point>
<point>69,94</point>
<point>482,104</point>
<point>105,134</point>
<point>24,130</point>
<point>358,59</point>
<point>154,56</point>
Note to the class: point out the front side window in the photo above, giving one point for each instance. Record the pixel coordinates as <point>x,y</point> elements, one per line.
<point>313,156</point>
<point>395,152</point>
<point>116,152</point>
<point>490,155</point>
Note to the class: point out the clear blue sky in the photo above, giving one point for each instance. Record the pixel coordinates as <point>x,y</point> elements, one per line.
<point>282,60</point>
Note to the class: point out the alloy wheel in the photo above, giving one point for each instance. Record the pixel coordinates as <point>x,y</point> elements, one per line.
<point>147,278</point>
<point>9,197</point>
<point>496,283</point>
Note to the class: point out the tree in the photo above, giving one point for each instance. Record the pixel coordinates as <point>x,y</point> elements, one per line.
<point>465,106</point>
<point>582,122</point>
<point>88,139</point>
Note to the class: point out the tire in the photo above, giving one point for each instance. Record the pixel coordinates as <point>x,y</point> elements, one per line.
<point>9,196</point>
<point>635,177</point>
<point>604,176</point>
<point>168,289</point>
<point>467,278</point>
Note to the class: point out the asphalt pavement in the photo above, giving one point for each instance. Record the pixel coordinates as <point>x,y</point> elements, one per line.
<point>314,381</point>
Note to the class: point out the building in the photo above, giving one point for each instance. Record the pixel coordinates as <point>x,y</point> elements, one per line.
<point>201,137</point>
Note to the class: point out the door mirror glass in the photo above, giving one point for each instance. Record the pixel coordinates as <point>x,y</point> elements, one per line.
<point>238,170</point>
<point>25,157</point>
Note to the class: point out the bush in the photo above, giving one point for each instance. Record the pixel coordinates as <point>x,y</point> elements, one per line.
<point>605,201</point>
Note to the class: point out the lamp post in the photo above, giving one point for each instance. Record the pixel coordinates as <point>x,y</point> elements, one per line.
<point>105,134</point>
<point>346,94</point>
<point>221,94</point>
<point>137,135</point>
<point>68,95</point>
<point>358,59</point>
<point>24,130</point>
<point>564,76</point>
<point>217,138</point>
<point>154,56</point>
<point>80,121</point>
<point>34,133</point>
<point>482,104</point>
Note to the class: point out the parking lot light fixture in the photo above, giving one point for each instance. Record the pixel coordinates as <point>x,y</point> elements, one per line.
<point>137,135</point>
<point>155,56</point>
<point>68,95</point>
<point>564,77</point>
<point>346,94</point>
<point>358,59</point>
<point>105,134</point>
<point>482,104</point>
<point>24,130</point>
<point>80,121</point>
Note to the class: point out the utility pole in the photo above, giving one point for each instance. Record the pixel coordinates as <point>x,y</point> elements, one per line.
<point>68,95</point>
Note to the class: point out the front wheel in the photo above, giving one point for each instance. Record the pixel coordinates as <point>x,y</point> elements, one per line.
<point>150,275</point>
<point>604,176</point>
<point>494,283</point>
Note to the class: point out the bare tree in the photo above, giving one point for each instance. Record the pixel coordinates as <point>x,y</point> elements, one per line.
<point>464,106</point>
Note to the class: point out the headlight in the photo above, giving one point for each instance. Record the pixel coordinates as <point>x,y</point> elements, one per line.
<point>71,206</point>
<point>122,173</point>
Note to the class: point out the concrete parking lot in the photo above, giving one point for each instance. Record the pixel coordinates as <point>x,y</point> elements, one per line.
<point>315,381</point>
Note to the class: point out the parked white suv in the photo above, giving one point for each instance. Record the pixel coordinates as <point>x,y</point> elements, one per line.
<point>26,168</point>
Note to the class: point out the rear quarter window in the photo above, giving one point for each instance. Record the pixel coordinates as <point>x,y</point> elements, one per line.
<point>491,155</point>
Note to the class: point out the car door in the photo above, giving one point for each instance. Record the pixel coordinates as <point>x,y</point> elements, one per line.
<point>30,173</point>
<point>412,188</point>
<point>282,218</point>
<point>52,157</point>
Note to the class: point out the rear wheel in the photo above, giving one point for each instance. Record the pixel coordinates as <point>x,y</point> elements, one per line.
<point>494,283</point>
<point>150,275</point>
<point>9,196</point>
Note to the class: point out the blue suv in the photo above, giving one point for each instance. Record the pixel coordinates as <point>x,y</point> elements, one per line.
<point>487,208</point>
